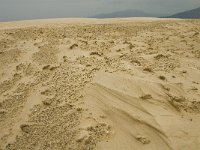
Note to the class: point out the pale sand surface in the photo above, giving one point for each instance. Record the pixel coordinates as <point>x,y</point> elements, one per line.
<point>104,84</point>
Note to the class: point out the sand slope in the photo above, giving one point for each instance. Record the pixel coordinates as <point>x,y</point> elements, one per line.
<point>141,114</point>
<point>100,84</point>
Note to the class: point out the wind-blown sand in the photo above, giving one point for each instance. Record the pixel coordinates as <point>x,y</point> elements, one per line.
<point>113,84</point>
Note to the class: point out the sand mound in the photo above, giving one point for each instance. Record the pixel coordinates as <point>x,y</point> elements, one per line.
<point>140,113</point>
<point>100,84</point>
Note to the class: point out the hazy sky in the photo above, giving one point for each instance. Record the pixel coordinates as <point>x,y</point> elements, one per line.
<point>36,9</point>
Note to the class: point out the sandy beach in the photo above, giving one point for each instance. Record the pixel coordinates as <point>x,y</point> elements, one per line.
<point>103,84</point>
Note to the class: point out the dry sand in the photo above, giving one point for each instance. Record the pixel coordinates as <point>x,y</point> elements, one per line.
<point>113,84</point>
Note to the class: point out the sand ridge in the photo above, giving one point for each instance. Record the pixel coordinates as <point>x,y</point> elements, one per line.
<point>100,84</point>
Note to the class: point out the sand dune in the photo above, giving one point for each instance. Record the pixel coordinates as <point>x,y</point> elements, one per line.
<point>141,114</point>
<point>114,84</point>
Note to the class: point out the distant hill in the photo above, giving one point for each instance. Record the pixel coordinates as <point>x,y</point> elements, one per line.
<point>190,14</point>
<point>124,14</point>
